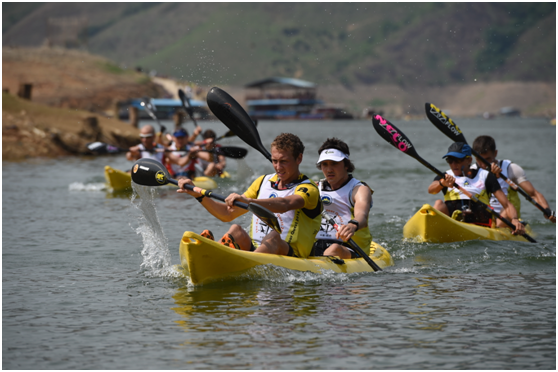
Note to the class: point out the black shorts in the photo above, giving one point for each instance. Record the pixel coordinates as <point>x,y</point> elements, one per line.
<point>479,214</point>
<point>320,246</point>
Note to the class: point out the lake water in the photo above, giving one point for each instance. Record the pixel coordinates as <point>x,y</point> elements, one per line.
<point>89,283</point>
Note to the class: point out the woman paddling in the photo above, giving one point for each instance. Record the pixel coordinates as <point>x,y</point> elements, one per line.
<point>478,182</point>
<point>345,198</point>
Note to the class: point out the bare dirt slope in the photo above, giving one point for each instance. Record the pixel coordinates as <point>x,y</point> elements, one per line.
<point>72,92</point>
<point>72,79</point>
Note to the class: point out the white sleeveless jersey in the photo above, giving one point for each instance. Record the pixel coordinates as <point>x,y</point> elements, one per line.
<point>510,193</point>
<point>145,154</point>
<point>291,222</point>
<point>339,205</point>
<point>476,186</point>
<point>177,168</point>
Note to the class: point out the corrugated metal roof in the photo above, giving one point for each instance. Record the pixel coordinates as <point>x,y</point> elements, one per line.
<point>278,82</point>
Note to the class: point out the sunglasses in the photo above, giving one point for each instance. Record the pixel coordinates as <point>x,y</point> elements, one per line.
<point>146,135</point>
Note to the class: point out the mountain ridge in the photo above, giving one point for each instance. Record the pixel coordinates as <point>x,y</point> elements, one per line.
<point>409,44</point>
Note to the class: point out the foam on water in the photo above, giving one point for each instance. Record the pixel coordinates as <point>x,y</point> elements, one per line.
<point>78,186</point>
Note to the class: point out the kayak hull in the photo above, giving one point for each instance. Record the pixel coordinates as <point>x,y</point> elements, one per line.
<point>207,261</point>
<point>118,180</point>
<point>431,225</point>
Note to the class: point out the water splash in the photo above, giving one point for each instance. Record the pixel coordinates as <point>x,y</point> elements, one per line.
<point>244,172</point>
<point>156,254</point>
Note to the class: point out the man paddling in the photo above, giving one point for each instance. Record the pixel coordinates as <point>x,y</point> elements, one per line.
<point>288,193</point>
<point>148,149</point>
<point>478,182</point>
<point>346,199</point>
<point>184,153</point>
<point>485,146</point>
<point>215,164</point>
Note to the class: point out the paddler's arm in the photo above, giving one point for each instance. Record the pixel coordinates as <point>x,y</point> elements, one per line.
<point>510,212</point>
<point>275,205</point>
<point>195,135</point>
<point>362,199</point>
<point>222,162</point>
<point>440,183</point>
<point>305,196</point>
<point>183,160</point>
<point>219,210</point>
<point>133,153</point>
<point>528,187</point>
<point>517,175</point>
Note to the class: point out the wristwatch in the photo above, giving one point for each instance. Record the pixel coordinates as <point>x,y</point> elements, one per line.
<point>354,222</point>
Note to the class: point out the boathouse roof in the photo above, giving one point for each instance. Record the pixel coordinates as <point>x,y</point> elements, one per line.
<point>281,82</point>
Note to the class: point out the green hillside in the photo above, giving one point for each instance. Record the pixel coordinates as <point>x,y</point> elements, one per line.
<point>409,44</point>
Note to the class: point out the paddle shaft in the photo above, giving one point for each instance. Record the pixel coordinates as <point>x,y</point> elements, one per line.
<point>452,131</point>
<point>352,243</point>
<point>184,98</point>
<point>208,193</point>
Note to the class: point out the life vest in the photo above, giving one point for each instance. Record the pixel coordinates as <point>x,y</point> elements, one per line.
<point>177,169</point>
<point>476,186</point>
<point>298,227</point>
<point>152,154</point>
<point>510,193</point>
<point>339,205</point>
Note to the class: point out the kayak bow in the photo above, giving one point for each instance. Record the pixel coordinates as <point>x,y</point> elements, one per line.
<point>431,225</point>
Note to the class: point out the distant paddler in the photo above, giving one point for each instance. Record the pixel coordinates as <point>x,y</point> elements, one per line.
<point>216,163</point>
<point>485,146</point>
<point>148,149</point>
<point>477,182</point>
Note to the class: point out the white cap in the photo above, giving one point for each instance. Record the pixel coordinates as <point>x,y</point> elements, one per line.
<point>332,154</point>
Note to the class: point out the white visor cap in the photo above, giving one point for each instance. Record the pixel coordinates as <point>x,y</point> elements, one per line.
<point>332,154</point>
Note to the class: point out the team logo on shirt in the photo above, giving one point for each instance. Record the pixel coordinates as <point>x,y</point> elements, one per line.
<point>466,183</point>
<point>327,200</point>
<point>273,195</point>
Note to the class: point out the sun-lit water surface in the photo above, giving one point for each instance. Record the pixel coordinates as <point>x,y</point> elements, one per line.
<point>89,277</point>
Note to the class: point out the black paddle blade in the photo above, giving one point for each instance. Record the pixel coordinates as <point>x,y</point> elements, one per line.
<point>268,217</point>
<point>149,172</point>
<point>444,123</point>
<point>232,152</point>
<point>226,109</point>
<point>394,136</point>
<point>230,133</point>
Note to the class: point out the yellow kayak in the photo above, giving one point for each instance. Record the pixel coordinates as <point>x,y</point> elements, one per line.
<point>207,261</point>
<point>118,180</point>
<point>430,225</point>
